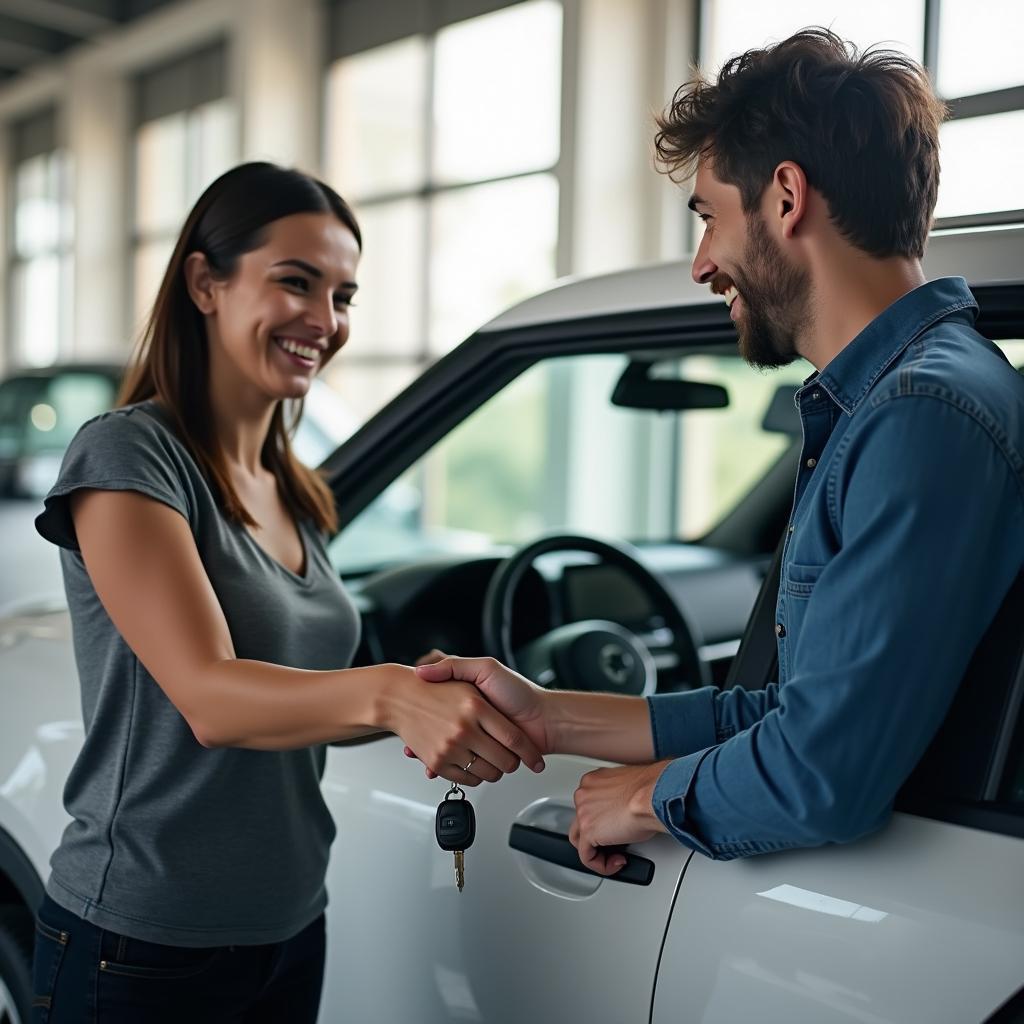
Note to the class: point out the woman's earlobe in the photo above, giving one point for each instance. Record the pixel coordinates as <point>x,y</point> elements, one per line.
<point>199,282</point>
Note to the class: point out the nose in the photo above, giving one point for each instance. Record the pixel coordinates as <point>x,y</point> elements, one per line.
<point>704,267</point>
<point>323,317</point>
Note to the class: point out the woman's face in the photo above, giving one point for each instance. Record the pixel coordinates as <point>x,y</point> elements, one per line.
<point>283,314</point>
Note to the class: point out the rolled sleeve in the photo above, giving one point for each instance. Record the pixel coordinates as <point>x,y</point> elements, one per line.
<point>669,800</point>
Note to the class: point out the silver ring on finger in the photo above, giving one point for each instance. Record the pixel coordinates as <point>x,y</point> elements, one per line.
<point>472,761</point>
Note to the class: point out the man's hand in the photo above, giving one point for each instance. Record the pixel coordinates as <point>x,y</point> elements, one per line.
<point>519,700</point>
<point>613,808</point>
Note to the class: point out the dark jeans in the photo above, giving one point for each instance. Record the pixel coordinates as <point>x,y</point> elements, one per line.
<point>83,974</point>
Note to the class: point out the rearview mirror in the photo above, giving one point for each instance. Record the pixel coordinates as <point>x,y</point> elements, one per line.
<point>637,389</point>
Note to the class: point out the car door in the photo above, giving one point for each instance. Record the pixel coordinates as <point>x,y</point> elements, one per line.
<point>528,939</point>
<point>923,922</point>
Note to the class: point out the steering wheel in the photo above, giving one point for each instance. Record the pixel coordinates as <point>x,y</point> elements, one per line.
<point>593,654</point>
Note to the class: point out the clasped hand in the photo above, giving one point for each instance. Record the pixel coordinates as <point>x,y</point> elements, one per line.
<point>613,805</point>
<point>454,729</point>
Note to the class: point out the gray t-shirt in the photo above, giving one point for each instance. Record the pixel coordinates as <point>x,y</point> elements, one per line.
<point>172,842</point>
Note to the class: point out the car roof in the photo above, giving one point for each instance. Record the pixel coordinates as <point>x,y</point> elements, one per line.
<point>982,255</point>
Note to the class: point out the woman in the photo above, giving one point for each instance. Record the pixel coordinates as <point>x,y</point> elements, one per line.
<point>212,639</point>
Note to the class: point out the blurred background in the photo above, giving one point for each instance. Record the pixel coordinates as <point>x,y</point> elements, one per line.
<point>488,147</point>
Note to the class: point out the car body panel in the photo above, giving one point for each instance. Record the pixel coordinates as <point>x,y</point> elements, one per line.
<point>918,924</point>
<point>523,938</point>
<point>39,737</point>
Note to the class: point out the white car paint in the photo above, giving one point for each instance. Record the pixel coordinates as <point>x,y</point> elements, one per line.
<point>922,922</point>
<point>918,924</point>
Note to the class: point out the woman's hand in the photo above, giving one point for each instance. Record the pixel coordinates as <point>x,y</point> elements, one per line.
<point>451,726</point>
<point>519,700</point>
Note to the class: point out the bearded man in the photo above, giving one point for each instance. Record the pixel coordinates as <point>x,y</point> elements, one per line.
<point>815,173</point>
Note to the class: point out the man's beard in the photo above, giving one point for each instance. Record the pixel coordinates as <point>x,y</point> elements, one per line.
<point>775,301</point>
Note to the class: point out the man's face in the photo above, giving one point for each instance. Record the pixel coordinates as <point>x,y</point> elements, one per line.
<point>769,296</point>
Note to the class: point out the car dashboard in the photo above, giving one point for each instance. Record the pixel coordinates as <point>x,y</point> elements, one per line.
<point>409,609</point>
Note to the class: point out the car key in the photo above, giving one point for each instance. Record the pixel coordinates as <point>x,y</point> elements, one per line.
<point>455,828</point>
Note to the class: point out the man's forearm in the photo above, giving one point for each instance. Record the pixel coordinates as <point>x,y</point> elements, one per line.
<point>600,725</point>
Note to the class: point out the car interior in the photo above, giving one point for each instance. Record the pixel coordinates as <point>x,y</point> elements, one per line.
<point>682,610</point>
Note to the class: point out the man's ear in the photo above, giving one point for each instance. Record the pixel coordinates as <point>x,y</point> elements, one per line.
<point>789,196</point>
<point>200,282</point>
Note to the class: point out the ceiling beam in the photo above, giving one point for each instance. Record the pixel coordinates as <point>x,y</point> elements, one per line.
<point>61,17</point>
<point>19,55</point>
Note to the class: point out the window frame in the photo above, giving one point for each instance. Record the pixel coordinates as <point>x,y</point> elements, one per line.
<point>355,28</point>
<point>197,77</point>
<point>998,101</point>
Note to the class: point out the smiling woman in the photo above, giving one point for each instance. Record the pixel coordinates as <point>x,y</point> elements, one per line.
<point>260,266</point>
<point>213,637</point>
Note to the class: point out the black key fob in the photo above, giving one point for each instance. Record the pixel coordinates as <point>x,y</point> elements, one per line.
<point>455,825</point>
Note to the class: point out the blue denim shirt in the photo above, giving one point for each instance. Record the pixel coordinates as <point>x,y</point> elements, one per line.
<point>906,532</point>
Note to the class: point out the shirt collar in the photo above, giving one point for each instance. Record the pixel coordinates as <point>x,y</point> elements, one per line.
<point>851,374</point>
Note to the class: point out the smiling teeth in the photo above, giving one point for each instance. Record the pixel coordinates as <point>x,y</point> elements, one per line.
<point>730,295</point>
<point>306,351</point>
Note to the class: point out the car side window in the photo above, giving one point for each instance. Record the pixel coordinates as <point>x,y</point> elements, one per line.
<point>551,451</point>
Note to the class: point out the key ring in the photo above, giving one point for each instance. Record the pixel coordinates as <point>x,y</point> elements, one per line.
<point>456,788</point>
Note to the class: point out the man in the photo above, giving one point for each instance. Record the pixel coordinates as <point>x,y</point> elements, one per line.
<point>816,177</point>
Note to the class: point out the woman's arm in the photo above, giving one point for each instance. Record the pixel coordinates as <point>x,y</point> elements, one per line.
<point>143,561</point>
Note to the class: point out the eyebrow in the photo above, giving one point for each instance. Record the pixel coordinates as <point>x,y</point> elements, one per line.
<point>695,201</point>
<point>312,271</point>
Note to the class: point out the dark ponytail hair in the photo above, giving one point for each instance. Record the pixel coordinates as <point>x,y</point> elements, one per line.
<point>171,362</point>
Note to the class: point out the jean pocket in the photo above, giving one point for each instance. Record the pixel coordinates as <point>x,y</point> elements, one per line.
<point>50,946</point>
<point>134,958</point>
<point>800,579</point>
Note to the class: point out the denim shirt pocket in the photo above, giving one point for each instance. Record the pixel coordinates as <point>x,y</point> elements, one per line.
<point>800,579</point>
<point>797,586</point>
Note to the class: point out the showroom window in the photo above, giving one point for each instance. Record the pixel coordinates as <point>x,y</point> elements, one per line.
<point>40,282</point>
<point>186,134</point>
<point>972,50</point>
<point>450,154</point>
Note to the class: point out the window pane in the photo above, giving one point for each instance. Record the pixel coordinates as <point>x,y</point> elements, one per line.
<point>37,296</point>
<point>161,188</point>
<point>982,164</point>
<point>497,93</point>
<point>1014,351</point>
<point>492,245</point>
<point>37,211</point>
<point>376,119</point>
<point>214,144</point>
<point>365,390</point>
<point>388,314</point>
<point>980,45</point>
<point>737,25</point>
<point>150,263</point>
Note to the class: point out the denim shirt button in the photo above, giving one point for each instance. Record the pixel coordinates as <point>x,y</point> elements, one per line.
<point>780,629</point>
<point>811,463</point>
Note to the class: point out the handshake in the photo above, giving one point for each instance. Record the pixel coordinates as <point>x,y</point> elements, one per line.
<point>480,732</point>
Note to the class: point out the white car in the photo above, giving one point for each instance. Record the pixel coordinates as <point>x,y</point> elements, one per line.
<point>597,408</point>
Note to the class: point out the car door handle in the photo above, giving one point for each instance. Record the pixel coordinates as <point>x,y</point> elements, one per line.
<point>556,848</point>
